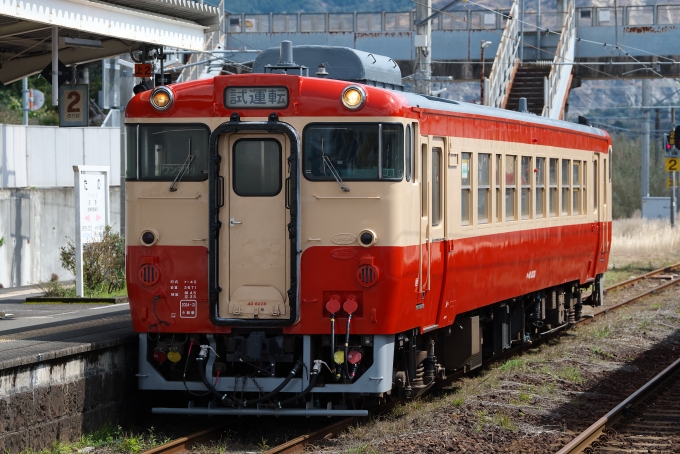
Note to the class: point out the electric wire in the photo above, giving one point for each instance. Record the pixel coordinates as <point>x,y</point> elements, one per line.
<point>529,45</point>
<point>548,31</point>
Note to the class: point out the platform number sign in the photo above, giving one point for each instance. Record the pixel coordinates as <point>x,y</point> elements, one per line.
<point>672,164</point>
<point>143,70</point>
<point>74,105</point>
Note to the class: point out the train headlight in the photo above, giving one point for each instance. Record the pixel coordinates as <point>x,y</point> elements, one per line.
<point>367,238</point>
<point>162,97</point>
<point>353,97</point>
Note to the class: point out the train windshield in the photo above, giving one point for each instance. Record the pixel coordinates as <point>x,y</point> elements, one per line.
<point>167,152</point>
<point>357,152</point>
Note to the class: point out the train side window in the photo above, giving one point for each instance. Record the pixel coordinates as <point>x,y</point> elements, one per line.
<point>510,182</point>
<point>465,183</point>
<point>499,199</point>
<point>408,152</point>
<point>552,196</point>
<point>595,185</point>
<point>584,187</point>
<point>565,186</point>
<point>525,196</point>
<point>540,186</point>
<point>483,188</point>
<point>423,180</point>
<point>257,167</point>
<point>436,186</point>
<point>576,188</point>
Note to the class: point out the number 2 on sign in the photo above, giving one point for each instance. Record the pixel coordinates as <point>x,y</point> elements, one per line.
<point>672,164</point>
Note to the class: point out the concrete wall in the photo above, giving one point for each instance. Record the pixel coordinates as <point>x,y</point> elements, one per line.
<point>34,224</point>
<point>44,156</point>
<point>65,398</point>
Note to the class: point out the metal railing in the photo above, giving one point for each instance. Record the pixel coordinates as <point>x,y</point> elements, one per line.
<point>386,22</point>
<point>556,87</point>
<point>497,86</point>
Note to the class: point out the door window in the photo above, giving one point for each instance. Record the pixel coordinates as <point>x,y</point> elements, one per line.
<point>257,167</point>
<point>436,186</point>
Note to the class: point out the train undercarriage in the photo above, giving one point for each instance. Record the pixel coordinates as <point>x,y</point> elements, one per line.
<point>264,372</point>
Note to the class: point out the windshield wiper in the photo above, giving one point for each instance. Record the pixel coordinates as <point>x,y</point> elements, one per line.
<point>183,169</point>
<point>334,172</point>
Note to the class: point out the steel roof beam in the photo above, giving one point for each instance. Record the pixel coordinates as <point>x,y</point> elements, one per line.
<point>21,27</point>
<point>69,56</point>
<point>109,20</point>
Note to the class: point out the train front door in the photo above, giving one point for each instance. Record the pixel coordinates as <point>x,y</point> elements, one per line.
<point>255,257</point>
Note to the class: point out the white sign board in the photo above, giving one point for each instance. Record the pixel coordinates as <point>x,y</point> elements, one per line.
<point>74,105</point>
<point>92,211</point>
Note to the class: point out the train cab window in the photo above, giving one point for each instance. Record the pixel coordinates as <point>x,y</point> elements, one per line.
<point>565,186</point>
<point>465,183</point>
<point>499,200</point>
<point>540,187</point>
<point>525,196</point>
<point>436,186</point>
<point>167,152</point>
<point>483,188</point>
<point>552,195</point>
<point>408,153</point>
<point>353,152</point>
<point>576,188</point>
<point>510,182</point>
<point>256,166</point>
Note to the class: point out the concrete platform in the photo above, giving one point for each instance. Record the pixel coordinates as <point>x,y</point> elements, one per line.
<point>65,370</point>
<point>39,332</point>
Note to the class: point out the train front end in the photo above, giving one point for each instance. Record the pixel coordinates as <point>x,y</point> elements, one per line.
<point>257,281</point>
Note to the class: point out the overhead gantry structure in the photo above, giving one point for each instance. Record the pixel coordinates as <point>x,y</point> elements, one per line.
<point>36,33</point>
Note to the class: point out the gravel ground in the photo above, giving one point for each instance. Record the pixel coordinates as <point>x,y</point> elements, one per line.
<point>539,401</point>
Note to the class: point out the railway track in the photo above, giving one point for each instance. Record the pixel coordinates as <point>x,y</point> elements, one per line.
<point>647,421</point>
<point>618,295</point>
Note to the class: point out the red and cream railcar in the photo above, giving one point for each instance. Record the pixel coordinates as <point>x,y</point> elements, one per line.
<point>294,242</point>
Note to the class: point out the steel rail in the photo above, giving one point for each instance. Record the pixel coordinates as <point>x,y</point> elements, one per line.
<point>632,281</point>
<point>185,444</point>
<point>598,429</point>
<point>297,444</point>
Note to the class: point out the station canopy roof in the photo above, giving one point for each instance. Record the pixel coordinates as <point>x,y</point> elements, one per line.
<point>93,30</point>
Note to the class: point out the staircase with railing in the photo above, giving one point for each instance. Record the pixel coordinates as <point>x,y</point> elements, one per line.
<point>556,86</point>
<point>498,85</point>
<point>544,84</point>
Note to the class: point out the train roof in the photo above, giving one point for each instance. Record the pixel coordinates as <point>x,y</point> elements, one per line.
<point>447,105</point>
<point>341,63</point>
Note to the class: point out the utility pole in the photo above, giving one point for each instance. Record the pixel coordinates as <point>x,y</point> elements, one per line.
<point>644,189</point>
<point>24,97</point>
<point>657,149</point>
<point>673,176</point>
<point>423,42</point>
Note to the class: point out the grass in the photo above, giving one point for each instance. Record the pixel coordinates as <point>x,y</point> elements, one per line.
<point>642,241</point>
<point>112,438</point>
<point>603,332</point>
<point>512,364</point>
<point>572,374</point>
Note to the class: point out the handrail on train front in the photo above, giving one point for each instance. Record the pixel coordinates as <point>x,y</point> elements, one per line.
<point>505,64</point>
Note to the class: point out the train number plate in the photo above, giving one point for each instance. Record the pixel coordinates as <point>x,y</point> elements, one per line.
<point>188,309</point>
<point>256,97</point>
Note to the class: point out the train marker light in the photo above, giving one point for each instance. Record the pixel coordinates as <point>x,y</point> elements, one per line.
<point>354,357</point>
<point>162,98</point>
<point>353,97</point>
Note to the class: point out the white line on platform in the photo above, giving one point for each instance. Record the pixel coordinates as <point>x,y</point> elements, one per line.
<point>18,293</point>
<point>106,307</point>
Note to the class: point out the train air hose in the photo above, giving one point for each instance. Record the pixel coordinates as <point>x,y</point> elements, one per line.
<point>312,382</point>
<point>223,397</point>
